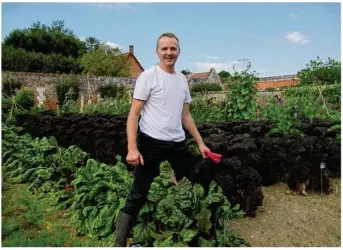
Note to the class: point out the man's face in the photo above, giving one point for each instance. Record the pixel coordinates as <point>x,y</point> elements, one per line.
<point>168,51</point>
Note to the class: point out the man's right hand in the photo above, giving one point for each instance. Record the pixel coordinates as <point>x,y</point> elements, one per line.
<point>134,157</point>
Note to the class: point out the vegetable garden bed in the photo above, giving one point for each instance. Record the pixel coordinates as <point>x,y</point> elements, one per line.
<point>252,154</point>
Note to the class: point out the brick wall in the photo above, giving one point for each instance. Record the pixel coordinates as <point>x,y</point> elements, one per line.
<point>45,85</point>
<point>276,83</point>
<point>136,70</point>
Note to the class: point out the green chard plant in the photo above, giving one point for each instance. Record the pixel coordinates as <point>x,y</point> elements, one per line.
<point>100,191</point>
<point>179,214</point>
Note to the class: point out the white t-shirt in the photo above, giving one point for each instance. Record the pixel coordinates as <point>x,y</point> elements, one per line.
<point>165,95</point>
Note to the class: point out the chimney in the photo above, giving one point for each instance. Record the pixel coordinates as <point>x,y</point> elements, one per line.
<point>131,49</point>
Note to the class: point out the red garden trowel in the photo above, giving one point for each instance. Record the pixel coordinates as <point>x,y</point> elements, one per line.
<point>213,156</point>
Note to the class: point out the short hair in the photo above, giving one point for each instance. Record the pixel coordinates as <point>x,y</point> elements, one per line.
<point>167,34</point>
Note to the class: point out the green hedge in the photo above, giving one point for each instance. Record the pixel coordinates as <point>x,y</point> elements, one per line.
<point>205,87</point>
<point>22,61</point>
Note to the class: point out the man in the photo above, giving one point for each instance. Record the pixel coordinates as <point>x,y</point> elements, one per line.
<point>161,97</point>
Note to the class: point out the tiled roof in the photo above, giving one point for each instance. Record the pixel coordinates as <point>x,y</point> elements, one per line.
<point>203,75</point>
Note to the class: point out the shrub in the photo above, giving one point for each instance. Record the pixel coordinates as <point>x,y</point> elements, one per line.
<point>113,91</point>
<point>6,105</point>
<point>25,98</point>
<point>63,86</point>
<point>20,60</point>
<point>206,86</point>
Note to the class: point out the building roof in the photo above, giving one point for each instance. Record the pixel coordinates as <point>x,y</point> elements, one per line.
<point>202,75</point>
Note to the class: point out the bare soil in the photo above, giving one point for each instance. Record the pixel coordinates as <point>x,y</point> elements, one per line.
<point>291,220</point>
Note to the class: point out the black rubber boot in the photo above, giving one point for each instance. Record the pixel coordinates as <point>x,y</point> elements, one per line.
<point>124,226</point>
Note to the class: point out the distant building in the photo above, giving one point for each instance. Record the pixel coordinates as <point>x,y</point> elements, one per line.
<point>135,67</point>
<point>210,77</point>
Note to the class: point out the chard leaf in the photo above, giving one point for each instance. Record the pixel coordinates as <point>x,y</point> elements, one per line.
<point>164,243</point>
<point>188,234</point>
<point>163,235</point>
<point>142,231</point>
<point>203,219</point>
<point>157,192</point>
<point>179,244</point>
<point>183,194</point>
<point>227,238</point>
<point>206,243</point>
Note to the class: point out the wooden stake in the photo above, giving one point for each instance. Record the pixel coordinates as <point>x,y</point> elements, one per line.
<point>320,93</point>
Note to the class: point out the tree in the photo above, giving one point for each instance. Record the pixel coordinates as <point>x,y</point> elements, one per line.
<point>224,74</point>
<point>105,61</point>
<point>319,72</point>
<point>53,39</point>
<point>92,43</point>
<point>186,71</point>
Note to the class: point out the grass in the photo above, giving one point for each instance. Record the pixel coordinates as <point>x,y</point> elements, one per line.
<point>31,222</point>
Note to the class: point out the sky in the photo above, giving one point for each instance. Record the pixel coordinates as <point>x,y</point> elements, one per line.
<point>277,38</point>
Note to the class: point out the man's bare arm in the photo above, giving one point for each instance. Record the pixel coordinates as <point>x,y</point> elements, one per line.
<point>131,128</point>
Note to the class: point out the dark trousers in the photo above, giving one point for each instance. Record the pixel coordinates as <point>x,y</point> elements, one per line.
<point>154,152</point>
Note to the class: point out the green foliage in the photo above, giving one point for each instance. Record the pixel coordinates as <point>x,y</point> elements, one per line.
<point>186,71</point>
<point>319,72</point>
<point>241,100</point>
<point>330,93</point>
<point>203,110</point>
<point>112,91</point>
<point>10,85</point>
<point>105,61</point>
<point>224,75</point>
<point>184,214</point>
<point>53,39</point>
<point>41,163</point>
<point>25,98</point>
<point>19,60</point>
<point>64,84</point>
<point>109,106</point>
<point>68,103</point>
<point>42,48</point>
<point>205,87</point>
<point>6,105</point>
<point>301,102</point>
<point>100,192</point>
<point>92,44</point>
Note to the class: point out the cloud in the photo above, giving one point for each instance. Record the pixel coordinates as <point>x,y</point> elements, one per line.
<point>114,45</point>
<point>297,37</point>
<point>219,66</point>
<point>111,44</point>
<point>293,15</point>
<point>114,6</point>
<point>208,56</point>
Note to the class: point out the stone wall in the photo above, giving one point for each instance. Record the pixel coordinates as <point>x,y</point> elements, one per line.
<point>45,85</point>
<point>213,77</point>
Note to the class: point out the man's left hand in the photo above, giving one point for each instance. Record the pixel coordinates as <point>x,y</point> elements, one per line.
<point>203,149</point>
